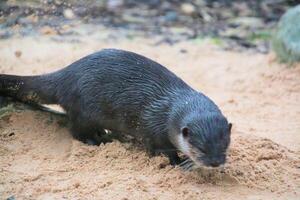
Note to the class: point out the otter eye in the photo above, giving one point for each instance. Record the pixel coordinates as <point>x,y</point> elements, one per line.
<point>185,132</point>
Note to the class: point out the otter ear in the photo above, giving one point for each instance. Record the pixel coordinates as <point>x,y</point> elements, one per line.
<point>185,132</point>
<point>229,127</point>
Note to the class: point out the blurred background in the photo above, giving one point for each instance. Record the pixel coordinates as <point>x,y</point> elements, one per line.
<point>232,24</point>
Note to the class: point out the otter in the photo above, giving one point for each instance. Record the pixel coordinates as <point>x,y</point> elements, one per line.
<point>126,92</point>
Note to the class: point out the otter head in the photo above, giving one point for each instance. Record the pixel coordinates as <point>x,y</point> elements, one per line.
<point>205,139</point>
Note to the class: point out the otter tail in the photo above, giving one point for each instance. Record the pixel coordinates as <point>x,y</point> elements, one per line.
<point>29,89</point>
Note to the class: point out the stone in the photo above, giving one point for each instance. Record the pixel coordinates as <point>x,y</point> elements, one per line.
<point>286,37</point>
<point>188,8</point>
<point>69,14</point>
<point>18,53</point>
<point>171,16</point>
<point>250,22</point>
<point>114,5</point>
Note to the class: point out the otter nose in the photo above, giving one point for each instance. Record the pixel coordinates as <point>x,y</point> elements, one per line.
<point>215,161</point>
<point>215,164</point>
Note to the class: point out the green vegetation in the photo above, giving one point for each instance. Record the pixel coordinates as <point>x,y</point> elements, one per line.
<point>214,40</point>
<point>264,35</point>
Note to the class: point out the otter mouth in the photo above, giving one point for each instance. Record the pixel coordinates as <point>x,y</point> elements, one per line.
<point>191,163</point>
<point>197,159</point>
<point>212,162</point>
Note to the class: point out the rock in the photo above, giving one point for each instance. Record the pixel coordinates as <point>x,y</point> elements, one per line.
<point>241,8</point>
<point>171,16</point>
<point>183,51</point>
<point>33,18</point>
<point>114,5</point>
<point>132,19</point>
<point>153,3</point>
<point>69,14</point>
<point>188,8</point>
<point>5,34</point>
<point>81,11</point>
<point>249,22</point>
<point>234,32</point>
<point>165,6</point>
<point>200,3</point>
<point>25,21</point>
<point>286,38</point>
<point>47,30</point>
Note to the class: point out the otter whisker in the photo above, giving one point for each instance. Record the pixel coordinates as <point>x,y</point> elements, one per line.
<point>191,167</point>
<point>166,150</point>
<point>185,162</point>
<point>188,166</point>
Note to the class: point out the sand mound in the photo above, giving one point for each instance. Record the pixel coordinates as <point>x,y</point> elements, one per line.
<point>40,159</point>
<point>258,162</point>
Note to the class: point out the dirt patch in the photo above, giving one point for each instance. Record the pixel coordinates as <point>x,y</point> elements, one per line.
<point>40,160</point>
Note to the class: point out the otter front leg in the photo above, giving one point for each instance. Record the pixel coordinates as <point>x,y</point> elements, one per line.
<point>87,135</point>
<point>157,146</point>
<point>173,158</point>
<point>87,131</point>
<point>150,146</point>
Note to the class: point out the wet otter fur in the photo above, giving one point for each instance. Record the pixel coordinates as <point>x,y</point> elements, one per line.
<point>125,92</point>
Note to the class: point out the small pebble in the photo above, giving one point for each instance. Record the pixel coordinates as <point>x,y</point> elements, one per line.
<point>69,14</point>
<point>188,8</point>
<point>18,54</point>
<point>171,16</point>
<point>183,51</point>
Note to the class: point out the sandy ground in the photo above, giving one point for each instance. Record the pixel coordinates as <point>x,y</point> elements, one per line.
<point>40,160</point>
